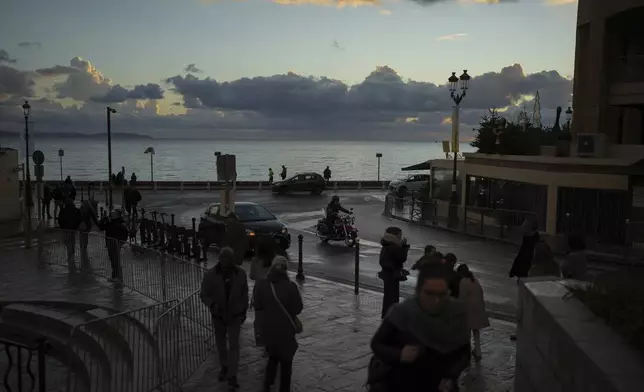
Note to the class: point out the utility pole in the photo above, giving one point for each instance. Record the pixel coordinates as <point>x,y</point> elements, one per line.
<point>110,111</point>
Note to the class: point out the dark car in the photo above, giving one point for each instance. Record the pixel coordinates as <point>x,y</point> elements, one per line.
<point>257,219</point>
<point>301,182</point>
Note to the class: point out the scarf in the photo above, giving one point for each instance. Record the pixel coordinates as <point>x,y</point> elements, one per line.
<point>444,331</point>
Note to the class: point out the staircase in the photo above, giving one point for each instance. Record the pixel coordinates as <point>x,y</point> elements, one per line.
<point>88,348</point>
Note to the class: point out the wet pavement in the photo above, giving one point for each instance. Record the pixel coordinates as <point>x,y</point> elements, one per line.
<point>490,261</point>
<point>334,348</point>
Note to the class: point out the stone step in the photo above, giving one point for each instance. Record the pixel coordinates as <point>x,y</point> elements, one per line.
<point>58,328</point>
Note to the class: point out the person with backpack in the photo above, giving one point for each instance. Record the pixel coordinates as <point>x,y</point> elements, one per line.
<point>69,219</point>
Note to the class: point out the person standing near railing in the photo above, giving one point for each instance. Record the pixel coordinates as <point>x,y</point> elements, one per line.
<point>69,219</point>
<point>89,217</point>
<point>224,290</point>
<point>115,236</point>
<point>46,201</point>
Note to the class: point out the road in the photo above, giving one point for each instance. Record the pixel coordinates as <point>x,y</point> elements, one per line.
<point>489,261</point>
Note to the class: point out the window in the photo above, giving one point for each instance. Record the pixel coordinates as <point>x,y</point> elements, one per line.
<point>213,210</point>
<point>253,213</point>
<point>309,177</point>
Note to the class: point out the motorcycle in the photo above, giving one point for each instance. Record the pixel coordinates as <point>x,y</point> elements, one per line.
<point>343,230</point>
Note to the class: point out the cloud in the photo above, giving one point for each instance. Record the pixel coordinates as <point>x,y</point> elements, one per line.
<point>83,83</point>
<point>14,82</point>
<point>4,57</point>
<point>118,93</point>
<point>192,68</point>
<point>28,44</point>
<point>57,70</point>
<point>337,45</point>
<point>452,37</point>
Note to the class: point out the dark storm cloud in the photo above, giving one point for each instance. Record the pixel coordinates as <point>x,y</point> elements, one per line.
<point>14,82</point>
<point>381,94</point>
<point>4,57</point>
<point>57,70</point>
<point>28,44</point>
<point>119,93</point>
<point>192,68</point>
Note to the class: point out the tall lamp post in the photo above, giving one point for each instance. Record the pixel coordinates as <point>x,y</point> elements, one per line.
<point>568,118</point>
<point>26,109</point>
<point>150,150</point>
<point>110,111</point>
<point>378,155</point>
<point>457,98</point>
<point>61,154</point>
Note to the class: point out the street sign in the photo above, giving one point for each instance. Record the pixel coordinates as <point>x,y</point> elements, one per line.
<point>61,153</point>
<point>378,155</point>
<point>39,171</point>
<point>226,167</point>
<point>38,157</point>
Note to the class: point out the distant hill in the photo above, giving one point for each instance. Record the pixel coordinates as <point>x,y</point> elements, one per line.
<point>72,135</point>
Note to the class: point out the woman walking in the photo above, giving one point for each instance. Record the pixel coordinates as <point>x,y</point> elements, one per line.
<point>471,293</point>
<point>259,268</point>
<point>523,261</point>
<point>423,343</point>
<point>278,298</point>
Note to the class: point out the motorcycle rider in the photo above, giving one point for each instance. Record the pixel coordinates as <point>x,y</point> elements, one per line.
<point>332,211</point>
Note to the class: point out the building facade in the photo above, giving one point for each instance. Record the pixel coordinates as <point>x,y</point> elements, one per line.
<point>609,70</point>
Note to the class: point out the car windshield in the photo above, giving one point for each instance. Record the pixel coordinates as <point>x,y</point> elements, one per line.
<point>253,213</point>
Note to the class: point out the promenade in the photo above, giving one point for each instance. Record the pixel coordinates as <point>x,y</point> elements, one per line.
<point>334,347</point>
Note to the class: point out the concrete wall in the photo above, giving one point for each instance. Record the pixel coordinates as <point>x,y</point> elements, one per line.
<point>563,347</point>
<point>9,185</point>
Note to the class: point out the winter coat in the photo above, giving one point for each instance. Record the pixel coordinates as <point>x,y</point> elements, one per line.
<point>235,238</point>
<point>393,255</point>
<point>47,193</point>
<point>523,261</point>
<point>276,328</point>
<point>213,293</point>
<point>115,232</point>
<point>89,216</point>
<point>69,217</point>
<point>133,197</point>
<point>471,293</point>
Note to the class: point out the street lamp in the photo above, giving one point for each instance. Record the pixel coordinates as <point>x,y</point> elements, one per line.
<point>378,155</point>
<point>150,150</point>
<point>568,118</point>
<point>61,154</point>
<point>26,109</point>
<point>110,111</point>
<point>457,98</point>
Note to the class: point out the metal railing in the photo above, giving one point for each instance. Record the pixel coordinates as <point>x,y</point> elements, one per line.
<point>487,222</point>
<point>18,364</point>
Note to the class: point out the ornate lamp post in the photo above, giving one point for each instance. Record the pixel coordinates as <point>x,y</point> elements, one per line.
<point>150,150</point>
<point>457,98</point>
<point>110,111</point>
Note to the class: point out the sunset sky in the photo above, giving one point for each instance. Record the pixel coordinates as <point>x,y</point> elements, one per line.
<point>220,67</point>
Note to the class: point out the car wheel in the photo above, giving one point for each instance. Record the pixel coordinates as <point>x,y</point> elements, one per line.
<point>282,190</point>
<point>317,190</point>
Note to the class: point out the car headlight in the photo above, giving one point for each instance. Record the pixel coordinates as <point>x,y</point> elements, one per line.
<point>250,233</point>
<point>284,230</point>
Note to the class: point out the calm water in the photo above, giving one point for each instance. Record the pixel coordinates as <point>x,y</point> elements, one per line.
<point>189,160</point>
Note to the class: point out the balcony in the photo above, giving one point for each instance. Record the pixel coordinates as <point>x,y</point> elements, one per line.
<point>626,81</point>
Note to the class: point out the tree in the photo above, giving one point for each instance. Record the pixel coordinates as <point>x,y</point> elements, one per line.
<point>516,138</point>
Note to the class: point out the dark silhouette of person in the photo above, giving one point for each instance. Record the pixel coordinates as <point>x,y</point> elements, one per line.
<point>133,179</point>
<point>283,173</point>
<point>270,175</point>
<point>115,235</point>
<point>393,255</point>
<point>47,196</point>
<point>327,174</point>
<point>523,261</point>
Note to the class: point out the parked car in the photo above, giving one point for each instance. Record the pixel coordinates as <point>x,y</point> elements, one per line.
<point>412,183</point>
<point>257,219</point>
<point>301,182</point>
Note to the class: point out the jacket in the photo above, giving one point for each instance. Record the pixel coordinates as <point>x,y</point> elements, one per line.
<point>213,293</point>
<point>424,374</point>
<point>69,217</point>
<point>277,330</point>
<point>393,255</point>
<point>471,293</point>
<point>88,216</point>
<point>334,208</point>
<point>115,231</point>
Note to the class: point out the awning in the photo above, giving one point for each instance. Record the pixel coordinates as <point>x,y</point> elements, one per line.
<point>427,165</point>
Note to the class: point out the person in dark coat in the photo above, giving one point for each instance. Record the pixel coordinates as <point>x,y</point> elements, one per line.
<point>278,298</point>
<point>132,200</point>
<point>236,238</point>
<point>69,219</point>
<point>523,261</point>
<point>224,290</point>
<point>393,255</point>
<point>47,196</point>
<point>283,173</point>
<point>427,257</point>
<point>89,218</point>
<point>57,195</point>
<point>115,236</point>
<point>454,279</point>
<point>327,174</point>
<point>424,341</point>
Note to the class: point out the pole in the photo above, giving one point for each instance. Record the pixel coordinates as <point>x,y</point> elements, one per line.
<point>28,200</point>
<point>60,158</point>
<point>300,261</point>
<point>356,278</point>
<point>378,169</point>
<point>109,156</point>
<point>151,168</point>
<point>453,202</point>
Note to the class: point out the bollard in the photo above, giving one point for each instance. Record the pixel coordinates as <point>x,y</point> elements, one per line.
<point>259,186</point>
<point>154,186</point>
<point>359,185</point>
<point>356,278</point>
<point>100,186</point>
<point>181,186</point>
<point>172,219</point>
<point>208,185</point>
<point>335,186</point>
<point>300,261</point>
<point>384,187</point>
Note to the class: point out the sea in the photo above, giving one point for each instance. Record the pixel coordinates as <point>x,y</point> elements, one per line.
<point>193,160</point>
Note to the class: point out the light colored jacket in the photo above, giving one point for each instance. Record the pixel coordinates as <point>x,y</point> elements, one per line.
<point>471,293</point>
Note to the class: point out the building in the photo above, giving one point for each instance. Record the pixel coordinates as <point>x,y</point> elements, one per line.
<point>10,202</point>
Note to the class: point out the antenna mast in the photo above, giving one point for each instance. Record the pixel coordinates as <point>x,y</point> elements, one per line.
<point>536,112</point>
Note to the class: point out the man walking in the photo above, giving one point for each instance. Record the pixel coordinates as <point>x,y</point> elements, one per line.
<point>327,174</point>
<point>283,173</point>
<point>270,175</point>
<point>46,201</point>
<point>224,290</point>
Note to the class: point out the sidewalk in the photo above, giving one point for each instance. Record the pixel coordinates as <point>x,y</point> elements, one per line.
<point>334,348</point>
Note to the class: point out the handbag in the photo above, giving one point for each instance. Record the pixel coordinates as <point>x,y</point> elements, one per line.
<point>295,321</point>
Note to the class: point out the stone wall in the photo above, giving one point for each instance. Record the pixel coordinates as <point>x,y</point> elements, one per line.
<point>563,347</point>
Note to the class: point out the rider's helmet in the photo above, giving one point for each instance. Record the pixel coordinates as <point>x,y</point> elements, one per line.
<point>335,199</point>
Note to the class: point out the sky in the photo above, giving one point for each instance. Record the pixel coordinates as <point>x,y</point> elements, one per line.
<point>282,68</point>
